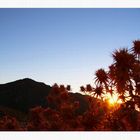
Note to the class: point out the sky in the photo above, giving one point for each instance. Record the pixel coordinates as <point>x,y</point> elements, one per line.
<point>64,46</point>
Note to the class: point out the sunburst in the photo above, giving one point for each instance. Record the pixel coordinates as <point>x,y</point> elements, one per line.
<point>114,99</point>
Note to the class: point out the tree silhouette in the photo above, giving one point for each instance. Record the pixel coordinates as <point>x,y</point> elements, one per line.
<point>122,77</point>
<point>123,62</point>
<point>136,49</point>
<point>82,89</point>
<point>68,88</point>
<point>124,74</point>
<point>101,78</point>
<point>98,91</point>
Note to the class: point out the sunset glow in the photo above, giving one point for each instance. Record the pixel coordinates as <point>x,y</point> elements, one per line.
<point>113,99</point>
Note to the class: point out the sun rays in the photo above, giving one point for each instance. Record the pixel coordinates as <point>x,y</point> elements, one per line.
<point>113,99</point>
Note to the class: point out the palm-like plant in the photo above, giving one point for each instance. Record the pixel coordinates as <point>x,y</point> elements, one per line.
<point>101,78</point>
<point>98,91</point>
<point>111,77</point>
<point>82,89</point>
<point>122,58</point>
<point>136,72</point>
<point>89,88</point>
<point>123,62</point>
<point>112,73</point>
<point>136,48</point>
<point>123,76</point>
<point>136,81</point>
<point>68,88</point>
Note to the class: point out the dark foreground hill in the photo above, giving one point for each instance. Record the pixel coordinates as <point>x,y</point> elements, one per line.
<point>24,94</point>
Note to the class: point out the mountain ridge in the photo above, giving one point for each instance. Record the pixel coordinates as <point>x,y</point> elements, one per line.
<point>26,93</point>
<point>23,94</point>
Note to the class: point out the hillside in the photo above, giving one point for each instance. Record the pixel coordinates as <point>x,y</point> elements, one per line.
<point>23,94</point>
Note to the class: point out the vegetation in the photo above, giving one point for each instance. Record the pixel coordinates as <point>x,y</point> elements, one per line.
<point>63,110</point>
<point>122,77</point>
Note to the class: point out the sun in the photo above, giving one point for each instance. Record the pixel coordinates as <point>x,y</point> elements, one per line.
<point>114,99</point>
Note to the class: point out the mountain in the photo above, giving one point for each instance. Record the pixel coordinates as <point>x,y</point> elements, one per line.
<point>23,94</point>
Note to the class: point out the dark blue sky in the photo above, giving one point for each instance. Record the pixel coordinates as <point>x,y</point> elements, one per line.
<point>62,45</point>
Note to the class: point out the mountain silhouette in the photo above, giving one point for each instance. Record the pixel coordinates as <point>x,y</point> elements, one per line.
<point>23,94</point>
